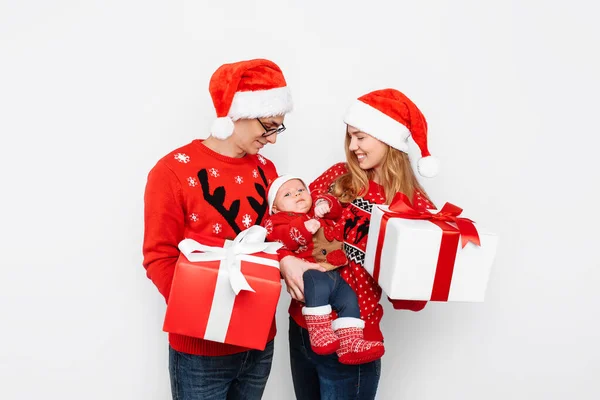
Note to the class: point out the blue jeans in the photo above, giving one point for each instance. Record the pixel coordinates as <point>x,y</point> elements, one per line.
<point>322,288</point>
<point>323,377</point>
<point>236,376</point>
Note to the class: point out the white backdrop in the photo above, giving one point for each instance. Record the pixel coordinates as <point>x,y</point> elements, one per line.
<point>93,93</point>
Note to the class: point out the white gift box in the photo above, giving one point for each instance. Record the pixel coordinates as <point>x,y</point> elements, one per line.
<point>410,255</point>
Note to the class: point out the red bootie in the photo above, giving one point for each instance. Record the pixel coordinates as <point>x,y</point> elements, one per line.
<point>323,340</point>
<point>353,348</point>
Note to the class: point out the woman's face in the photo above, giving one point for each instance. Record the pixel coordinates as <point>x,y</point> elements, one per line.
<point>368,151</point>
<point>248,133</point>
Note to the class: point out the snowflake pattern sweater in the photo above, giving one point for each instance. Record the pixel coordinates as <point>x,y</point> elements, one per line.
<point>195,192</point>
<point>353,227</point>
<point>288,228</point>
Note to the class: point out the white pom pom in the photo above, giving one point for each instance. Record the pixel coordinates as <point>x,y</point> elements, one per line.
<point>222,128</point>
<point>428,166</point>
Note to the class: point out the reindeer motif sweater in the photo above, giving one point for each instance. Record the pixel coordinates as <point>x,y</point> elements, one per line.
<point>353,228</point>
<point>194,192</point>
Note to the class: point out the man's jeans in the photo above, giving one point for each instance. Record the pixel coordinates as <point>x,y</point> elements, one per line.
<point>231,377</point>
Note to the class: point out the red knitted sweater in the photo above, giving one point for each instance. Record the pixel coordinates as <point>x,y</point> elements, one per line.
<point>288,228</point>
<point>194,192</point>
<point>353,228</point>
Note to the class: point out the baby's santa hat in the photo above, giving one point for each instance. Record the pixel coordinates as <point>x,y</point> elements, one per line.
<point>276,184</point>
<point>246,90</point>
<point>390,116</point>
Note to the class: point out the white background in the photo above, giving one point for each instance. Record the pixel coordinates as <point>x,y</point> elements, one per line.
<point>93,93</point>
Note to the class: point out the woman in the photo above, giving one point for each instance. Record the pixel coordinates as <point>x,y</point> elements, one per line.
<point>215,188</point>
<point>377,167</point>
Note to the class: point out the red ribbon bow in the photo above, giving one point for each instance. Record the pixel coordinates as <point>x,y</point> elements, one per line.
<point>400,207</point>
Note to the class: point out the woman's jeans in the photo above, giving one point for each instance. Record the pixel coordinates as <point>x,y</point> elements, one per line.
<point>323,377</point>
<point>232,377</point>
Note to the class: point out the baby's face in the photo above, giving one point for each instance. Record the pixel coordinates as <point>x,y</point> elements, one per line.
<point>292,196</point>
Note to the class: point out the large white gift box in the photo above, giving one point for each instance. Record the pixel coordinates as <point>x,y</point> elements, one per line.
<point>428,255</point>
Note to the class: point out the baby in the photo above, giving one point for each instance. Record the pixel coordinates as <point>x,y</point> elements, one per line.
<point>308,233</point>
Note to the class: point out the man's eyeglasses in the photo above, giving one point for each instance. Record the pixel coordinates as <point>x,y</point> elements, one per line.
<point>269,132</point>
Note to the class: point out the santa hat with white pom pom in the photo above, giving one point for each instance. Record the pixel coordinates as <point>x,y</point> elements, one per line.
<point>246,90</point>
<point>390,116</point>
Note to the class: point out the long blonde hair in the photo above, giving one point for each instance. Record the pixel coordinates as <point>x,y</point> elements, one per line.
<point>397,175</point>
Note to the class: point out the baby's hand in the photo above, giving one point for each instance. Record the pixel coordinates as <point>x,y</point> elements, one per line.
<point>312,225</point>
<point>321,208</point>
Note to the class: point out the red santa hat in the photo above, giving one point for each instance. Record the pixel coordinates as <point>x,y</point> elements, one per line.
<point>246,90</point>
<point>390,116</point>
<point>276,184</point>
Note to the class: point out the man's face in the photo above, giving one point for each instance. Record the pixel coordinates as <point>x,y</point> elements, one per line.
<point>248,133</point>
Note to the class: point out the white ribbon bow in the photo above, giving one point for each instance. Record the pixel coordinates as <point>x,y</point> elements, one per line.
<point>247,242</point>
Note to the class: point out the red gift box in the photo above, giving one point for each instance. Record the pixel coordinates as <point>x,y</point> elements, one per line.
<point>226,294</point>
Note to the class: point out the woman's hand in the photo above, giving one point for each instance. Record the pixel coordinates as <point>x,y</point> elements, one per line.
<point>292,269</point>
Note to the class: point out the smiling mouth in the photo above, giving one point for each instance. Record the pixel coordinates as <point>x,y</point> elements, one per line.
<point>360,157</point>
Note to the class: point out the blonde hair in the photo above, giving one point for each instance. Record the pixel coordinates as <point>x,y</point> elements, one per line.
<point>397,175</point>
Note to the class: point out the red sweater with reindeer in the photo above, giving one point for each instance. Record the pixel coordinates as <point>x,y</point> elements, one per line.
<point>353,227</point>
<point>288,228</point>
<point>194,192</point>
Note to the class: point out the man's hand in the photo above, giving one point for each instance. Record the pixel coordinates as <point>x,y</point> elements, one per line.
<point>292,269</point>
<point>322,207</point>
<point>312,225</point>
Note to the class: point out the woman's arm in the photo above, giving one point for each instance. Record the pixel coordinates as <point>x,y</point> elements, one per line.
<point>411,305</point>
<point>321,185</point>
